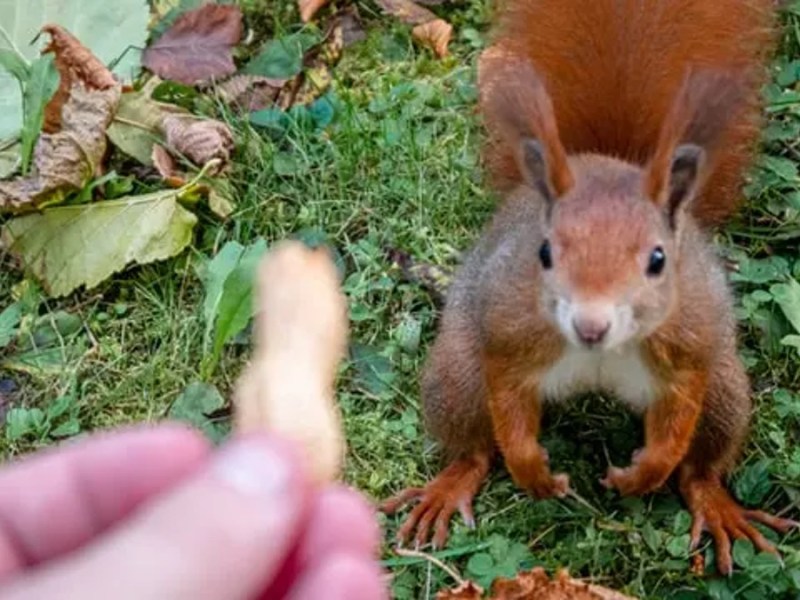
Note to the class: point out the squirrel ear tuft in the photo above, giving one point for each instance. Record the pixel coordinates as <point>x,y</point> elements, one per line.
<point>519,113</point>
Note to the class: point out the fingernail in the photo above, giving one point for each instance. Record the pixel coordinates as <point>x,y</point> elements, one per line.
<point>254,469</point>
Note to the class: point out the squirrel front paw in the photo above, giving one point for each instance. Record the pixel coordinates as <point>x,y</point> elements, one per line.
<point>642,477</point>
<point>534,476</point>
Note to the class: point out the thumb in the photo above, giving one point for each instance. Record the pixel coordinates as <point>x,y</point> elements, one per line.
<point>223,534</point>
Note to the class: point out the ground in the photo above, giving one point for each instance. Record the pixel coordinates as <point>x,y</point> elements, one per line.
<point>399,169</point>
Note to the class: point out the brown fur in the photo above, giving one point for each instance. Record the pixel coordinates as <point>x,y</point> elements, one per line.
<point>642,145</point>
<point>614,67</point>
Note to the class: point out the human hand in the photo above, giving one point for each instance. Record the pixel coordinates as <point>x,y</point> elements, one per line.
<point>154,513</point>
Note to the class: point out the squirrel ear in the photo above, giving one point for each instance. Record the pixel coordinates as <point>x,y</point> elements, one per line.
<point>519,114</point>
<point>684,176</point>
<point>533,165</point>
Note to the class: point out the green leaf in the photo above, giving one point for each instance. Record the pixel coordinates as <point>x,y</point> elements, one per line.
<point>281,58</point>
<point>678,546</point>
<point>743,552</point>
<point>137,123</point>
<point>374,373</point>
<point>784,168</point>
<point>60,406</point>
<point>793,341</point>
<point>9,159</point>
<point>651,537</point>
<point>9,319</point>
<point>69,246</point>
<point>409,333</point>
<point>217,271</point>
<point>753,484</point>
<point>235,307</point>
<point>196,402</point>
<point>787,295</point>
<point>38,90</point>
<point>67,429</point>
<point>15,65</point>
<point>682,522</point>
<point>111,30</point>
<point>480,564</point>
<point>21,422</point>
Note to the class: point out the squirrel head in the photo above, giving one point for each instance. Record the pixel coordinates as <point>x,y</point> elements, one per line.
<point>610,252</point>
<point>612,229</point>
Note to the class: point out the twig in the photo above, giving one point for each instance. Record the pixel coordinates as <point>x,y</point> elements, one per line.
<point>433,560</point>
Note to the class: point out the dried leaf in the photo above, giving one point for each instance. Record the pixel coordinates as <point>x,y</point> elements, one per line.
<point>199,140</point>
<point>433,278</point>
<point>308,8</point>
<point>407,11</point>
<point>113,30</point>
<point>69,246</point>
<point>250,92</point>
<point>137,124</point>
<point>74,62</point>
<point>66,160</point>
<point>163,162</point>
<point>198,47</point>
<point>535,585</point>
<point>219,199</point>
<point>434,34</point>
<point>428,28</point>
<point>350,25</point>
<point>466,591</point>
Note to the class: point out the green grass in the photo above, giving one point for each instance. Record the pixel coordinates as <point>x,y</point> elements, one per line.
<point>399,169</point>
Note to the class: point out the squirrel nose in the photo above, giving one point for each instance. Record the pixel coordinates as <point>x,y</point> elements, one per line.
<point>591,331</point>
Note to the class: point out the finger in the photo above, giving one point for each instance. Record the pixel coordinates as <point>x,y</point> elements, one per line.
<point>759,541</point>
<point>722,547</point>
<point>698,522</point>
<point>465,508</point>
<point>342,577</point>
<point>425,523</point>
<point>411,521</point>
<point>776,523</point>
<point>341,522</point>
<point>54,502</point>
<point>223,534</point>
<point>395,503</point>
<point>441,528</point>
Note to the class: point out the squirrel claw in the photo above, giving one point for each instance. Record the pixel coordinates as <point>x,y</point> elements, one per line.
<point>715,511</point>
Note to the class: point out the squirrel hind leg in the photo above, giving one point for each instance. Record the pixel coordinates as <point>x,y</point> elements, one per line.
<point>452,490</point>
<point>714,510</point>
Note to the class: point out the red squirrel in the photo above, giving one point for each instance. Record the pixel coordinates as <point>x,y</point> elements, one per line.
<point>619,132</point>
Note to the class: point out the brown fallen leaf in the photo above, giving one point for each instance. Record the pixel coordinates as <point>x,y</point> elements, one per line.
<point>67,160</point>
<point>198,47</point>
<point>199,140</point>
<point>74,62</point>
<point>536,585</point>
<point>428,29</point>
<point>308,8</point>
<point>250,92</point>
<point>163,162</point>
<point>407,11</point>
<point>435,34</point>
<point>349,22</point>
<point>433,278</point>
<point>300,338</point>
<point>464,591</point>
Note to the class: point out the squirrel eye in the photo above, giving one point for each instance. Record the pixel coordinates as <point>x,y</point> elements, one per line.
<point>544,255</point>
<point>656,263</point>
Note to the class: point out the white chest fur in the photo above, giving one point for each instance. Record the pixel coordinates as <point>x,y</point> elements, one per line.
<point>620,372</point>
